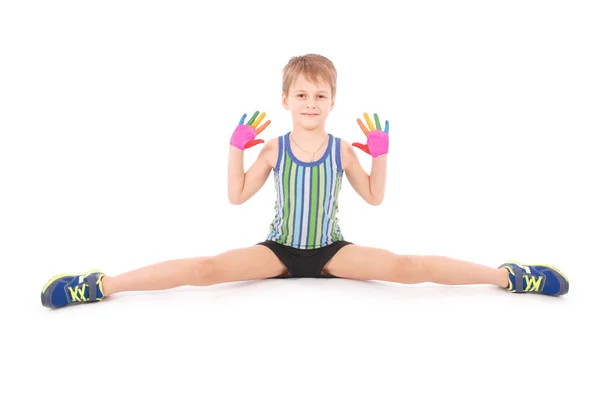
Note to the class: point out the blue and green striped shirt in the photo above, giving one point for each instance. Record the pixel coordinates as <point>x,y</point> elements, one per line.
<point>307,197</point>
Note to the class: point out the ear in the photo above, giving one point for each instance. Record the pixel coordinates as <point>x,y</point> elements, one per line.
<point>332,104</point>
<point>284,101</point>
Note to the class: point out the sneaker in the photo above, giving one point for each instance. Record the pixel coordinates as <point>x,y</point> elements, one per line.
<point>541,279</point>
<point>66,289</point>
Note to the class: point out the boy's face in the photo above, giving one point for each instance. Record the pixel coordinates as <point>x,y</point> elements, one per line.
<point>309,103</point>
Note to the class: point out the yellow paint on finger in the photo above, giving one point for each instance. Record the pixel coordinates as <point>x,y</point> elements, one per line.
<point>369,122</point>
<point>259,119</point>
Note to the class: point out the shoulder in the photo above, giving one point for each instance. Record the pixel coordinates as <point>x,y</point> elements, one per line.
<point>347,153</point>
<point>270,151</point>
<point>272,144</point>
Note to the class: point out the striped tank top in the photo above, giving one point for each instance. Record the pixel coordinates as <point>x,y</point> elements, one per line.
<point>307,197</point>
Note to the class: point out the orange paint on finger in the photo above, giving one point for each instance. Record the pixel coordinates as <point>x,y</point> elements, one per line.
<point>262,127</point>
<point>362,126</point>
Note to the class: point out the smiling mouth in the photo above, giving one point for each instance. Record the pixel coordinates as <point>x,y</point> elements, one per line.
<point>309,114</point>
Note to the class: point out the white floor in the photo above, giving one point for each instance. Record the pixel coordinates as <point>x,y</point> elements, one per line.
<point>310,339</point>
<point>114,127</point>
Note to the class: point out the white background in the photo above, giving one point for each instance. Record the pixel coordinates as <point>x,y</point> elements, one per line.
<point>115,119</point>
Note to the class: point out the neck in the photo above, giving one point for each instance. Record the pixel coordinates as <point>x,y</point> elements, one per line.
<point>310,142</point>
<point>308,137</point>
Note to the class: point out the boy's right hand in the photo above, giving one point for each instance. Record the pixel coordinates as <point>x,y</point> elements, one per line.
<point>243,136</point>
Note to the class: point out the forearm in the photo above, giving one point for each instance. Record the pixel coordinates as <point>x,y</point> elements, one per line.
<point>235,174</point>
<point>377,179</point>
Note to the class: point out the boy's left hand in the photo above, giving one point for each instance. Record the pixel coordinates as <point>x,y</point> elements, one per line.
<point>377,140</point>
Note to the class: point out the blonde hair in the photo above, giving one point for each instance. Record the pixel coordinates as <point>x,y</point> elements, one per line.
<point>313,67</point>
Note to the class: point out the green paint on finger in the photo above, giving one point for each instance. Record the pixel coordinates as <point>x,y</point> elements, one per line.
<point>253,118</point>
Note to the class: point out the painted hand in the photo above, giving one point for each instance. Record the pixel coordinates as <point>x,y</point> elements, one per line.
<point>244,135</point>
<point>377,140</point>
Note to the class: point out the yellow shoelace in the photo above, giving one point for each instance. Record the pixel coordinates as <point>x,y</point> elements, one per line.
<point>533,283</point>
<point>78,292</point>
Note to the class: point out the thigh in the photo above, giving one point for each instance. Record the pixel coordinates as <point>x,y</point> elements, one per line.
<point>367,263</point>
<point>251,263</point>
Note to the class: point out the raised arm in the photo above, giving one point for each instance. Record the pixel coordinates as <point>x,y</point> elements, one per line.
<point>243,185</point>
<point>371,187</point>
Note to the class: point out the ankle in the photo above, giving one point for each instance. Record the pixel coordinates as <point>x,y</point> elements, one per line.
<point>106,286</point>
<point>504,279</point>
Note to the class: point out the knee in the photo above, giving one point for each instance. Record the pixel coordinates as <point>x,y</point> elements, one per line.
<point>203,271</point>
<point>411,269</point>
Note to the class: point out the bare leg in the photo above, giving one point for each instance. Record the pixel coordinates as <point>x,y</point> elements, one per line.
<point>255,262</point>
<point>445,270</point>
<point>365,263</point>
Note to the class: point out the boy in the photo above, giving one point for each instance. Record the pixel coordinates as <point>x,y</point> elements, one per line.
<point>305,239</point>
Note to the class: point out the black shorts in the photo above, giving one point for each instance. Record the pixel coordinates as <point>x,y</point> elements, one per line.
<point>304,262</point>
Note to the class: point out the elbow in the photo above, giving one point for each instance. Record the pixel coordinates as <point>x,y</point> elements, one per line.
<point>235,197</point>
<point>235,200</point>
<point>376,201</point>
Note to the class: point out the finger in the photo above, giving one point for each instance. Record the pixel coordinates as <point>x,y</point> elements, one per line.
<point>377,124</point>
<point>387,127</point>
<point>364,148</point>
<point>253,142</point>
<point>369,122</point>
<point>259,119</point>
<point>262,127</point>
<point>362,126</point>
<point>243,118</point>
<point>253,118</point>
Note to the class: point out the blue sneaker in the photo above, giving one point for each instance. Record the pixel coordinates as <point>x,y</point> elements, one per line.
<point>541,279</point>
<point>66,289</point>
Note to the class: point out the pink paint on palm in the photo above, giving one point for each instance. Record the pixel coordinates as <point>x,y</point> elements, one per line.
<point>242,135</point>
<point>378,142</point>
